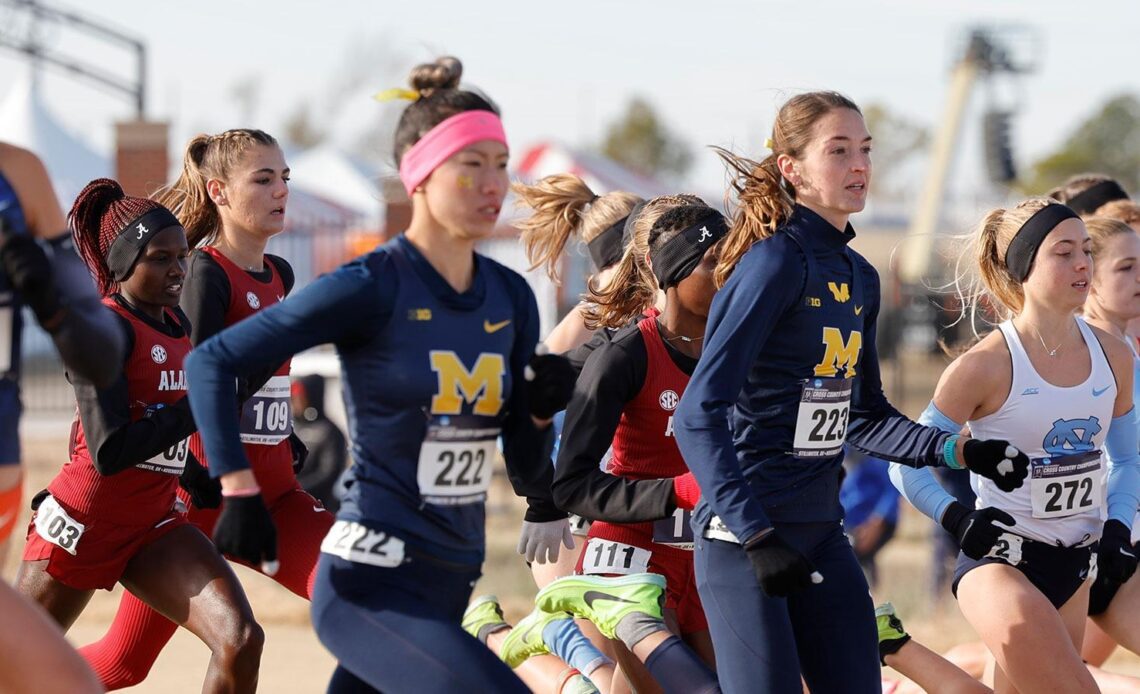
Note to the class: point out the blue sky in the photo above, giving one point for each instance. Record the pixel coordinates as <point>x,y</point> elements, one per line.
<point>715,70</point>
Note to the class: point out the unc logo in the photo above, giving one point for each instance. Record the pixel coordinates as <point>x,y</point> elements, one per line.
<point>668,400</point>
<point>252,300</point>
<point>705,235</point>
<point>840,292</point>
<point>839,354</point>
<point>1071,436</point>
<point>482,385</point>
<point>158,354</point>
<point>142,231</point>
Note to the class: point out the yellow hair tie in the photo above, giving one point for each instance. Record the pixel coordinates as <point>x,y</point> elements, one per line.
<point>397,93</point>
<point>769,144</point>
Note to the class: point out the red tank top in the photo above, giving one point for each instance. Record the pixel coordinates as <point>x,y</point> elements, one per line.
<point>644,447</point>
<point>143,494</point>
<point>267,417</point>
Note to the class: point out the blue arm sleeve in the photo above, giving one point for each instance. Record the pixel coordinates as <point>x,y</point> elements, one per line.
<point>876,427</point>
<point>768,280</point>
<point>1122,444</point>
<point>919,485</point>
<point>336,307</point>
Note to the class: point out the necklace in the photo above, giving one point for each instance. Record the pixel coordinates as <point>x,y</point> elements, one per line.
<point>1052,352</point>
<point>682,338</point>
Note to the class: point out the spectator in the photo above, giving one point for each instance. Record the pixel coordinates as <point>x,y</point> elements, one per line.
<point>871,508</point>
<point>328,450</point>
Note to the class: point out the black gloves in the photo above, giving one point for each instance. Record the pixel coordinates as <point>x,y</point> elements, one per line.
<point>300,452</point>
<point>975,530</point>
<point>30,272</point>
<point>245,531</point>
<point>780,568</point>
<point>552,379</point>
<point>996,460</point>
<point>1116,558</point>
<point>204,491</point>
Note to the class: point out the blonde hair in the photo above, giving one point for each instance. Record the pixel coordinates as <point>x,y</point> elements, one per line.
<point>633,287</point>
<point>993,284</point>
<point>1125,211</point>
<point>1101,229</point>
<point>764,200</point>
<point>564,206</point>
<point>207,157</point>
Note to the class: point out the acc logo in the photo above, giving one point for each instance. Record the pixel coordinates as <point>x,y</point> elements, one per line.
<point>158,354</point>
<point>668,400</point>
<point>1071,436</point>
<point>841,292</point>
<point>252,300</point>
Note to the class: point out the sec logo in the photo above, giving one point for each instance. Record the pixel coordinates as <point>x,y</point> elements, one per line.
<point>252,300</point>
<point>668,400</point>
<point>158,354</point>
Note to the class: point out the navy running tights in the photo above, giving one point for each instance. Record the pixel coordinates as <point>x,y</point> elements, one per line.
<point>398,630</point>
<point>828,629</point>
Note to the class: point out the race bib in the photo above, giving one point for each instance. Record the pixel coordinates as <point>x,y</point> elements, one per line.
<point>1007,548</point>
<point>821,422</point>
<point>6,313</point>
<point>1067,485</point>
<point>675,531</point>
<point>172,461</point>
<point>609,557</point>
<point>356,543</point>
<point>455,462</point>
<point>57,527</point>
<point>267,417</point>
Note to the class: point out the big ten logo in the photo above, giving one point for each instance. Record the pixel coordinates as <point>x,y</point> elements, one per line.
<point>1071,436</point>
<point>839,353</point>
<point>813,301</point>
<point>482,385</point>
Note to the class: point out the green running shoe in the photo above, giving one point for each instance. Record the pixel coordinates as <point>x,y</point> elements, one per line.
<point>525,640</point>
<point>892,636</point>
<point>483,617</point>
<point>604,601</point>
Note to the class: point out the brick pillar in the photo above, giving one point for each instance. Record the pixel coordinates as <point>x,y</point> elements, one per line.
<point>397,207</point>
<point>141,159</point>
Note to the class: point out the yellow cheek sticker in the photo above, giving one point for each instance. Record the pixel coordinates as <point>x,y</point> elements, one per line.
<point>465,183</point>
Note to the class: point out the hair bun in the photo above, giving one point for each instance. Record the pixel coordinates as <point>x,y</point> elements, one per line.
<point>444,73</point>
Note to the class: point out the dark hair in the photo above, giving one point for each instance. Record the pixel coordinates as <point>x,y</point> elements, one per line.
<point>440,98</point>
<point>100,212</point>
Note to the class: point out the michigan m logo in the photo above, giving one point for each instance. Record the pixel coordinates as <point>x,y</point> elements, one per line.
<point>483,385</point>
<point>841,293</point>
<point>839,354</point>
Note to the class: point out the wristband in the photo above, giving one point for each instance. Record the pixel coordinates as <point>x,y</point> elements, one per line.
<point>247,491</point>
<point>949,454</point>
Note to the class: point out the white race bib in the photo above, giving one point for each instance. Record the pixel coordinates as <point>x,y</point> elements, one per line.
<point>267,417</point>
<point>676,530</point>
<point>57,527</point>
<point>1067,485</point>
<point>6,314</point>
<point>455,462</point>
<point>609,557</point>
<point>356,543</point>
<point>821,422</point>
<point>172,461</point>
<point>1007,548</point>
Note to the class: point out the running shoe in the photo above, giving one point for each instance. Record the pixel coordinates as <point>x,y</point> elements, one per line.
<point>525,640</point>
<point>604,601</point>
<point>892,636</point>
<point>483,617</point>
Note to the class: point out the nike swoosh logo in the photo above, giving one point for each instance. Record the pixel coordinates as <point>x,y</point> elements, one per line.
<point>168,520</point>
<point>494,327</point>
<point>858,310</point>
<point>318,509</point>
<point>1098,393</point>
<point>591,595</point>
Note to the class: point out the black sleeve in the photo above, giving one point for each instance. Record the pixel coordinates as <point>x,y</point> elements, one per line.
<point>205,297</point>
<point>611,377</point>
<point>115,442</point>
<point>284,269</point>
<point>581,353</point>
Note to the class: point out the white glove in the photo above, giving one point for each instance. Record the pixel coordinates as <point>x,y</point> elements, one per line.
<point>539,541</point>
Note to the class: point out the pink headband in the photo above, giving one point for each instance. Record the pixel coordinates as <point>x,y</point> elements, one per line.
<point>446,139</point>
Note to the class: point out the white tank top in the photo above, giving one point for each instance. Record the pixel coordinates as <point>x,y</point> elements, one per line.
<point>1060,502</point>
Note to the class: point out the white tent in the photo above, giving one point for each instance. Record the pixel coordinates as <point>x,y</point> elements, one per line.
<point>26,122</point>
<point>602,174</point>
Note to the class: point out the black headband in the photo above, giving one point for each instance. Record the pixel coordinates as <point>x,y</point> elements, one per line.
<point>134,237</point>
<point>606,248</point>
<point>1090,199</point>
<point>677,257</point>
<point>1023,248</point>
